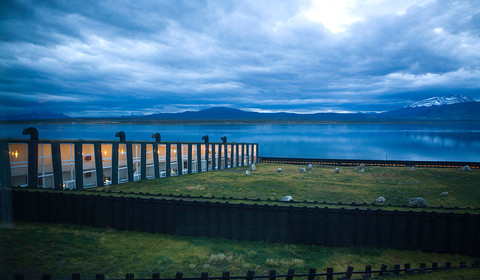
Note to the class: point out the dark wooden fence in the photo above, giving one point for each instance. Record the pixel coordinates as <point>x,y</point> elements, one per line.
<point>355,162</point>
<point>311,275</point>
<point>410,230</point>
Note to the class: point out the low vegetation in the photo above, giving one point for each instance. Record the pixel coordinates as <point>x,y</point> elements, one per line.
<point>34,249</point>
<point>396,184</point>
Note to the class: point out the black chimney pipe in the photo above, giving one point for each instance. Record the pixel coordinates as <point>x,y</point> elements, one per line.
<point>122,136</point>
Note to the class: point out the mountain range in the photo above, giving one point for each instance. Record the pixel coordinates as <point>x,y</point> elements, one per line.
<point>446,108</point>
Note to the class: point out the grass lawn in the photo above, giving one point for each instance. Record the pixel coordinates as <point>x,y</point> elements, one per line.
<point>396,184</point>
<point>34,249</point>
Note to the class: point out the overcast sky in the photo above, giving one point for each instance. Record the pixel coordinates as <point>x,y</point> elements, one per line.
<point>102,58</point>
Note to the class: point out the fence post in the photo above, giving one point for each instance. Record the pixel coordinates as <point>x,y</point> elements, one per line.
<point>204,275</point>
<point>78,147</point>
<point>434,266</point>
<point>407,269</point>
<point>368,272</point>
<point>422,268</point>
<point>311,273</point>
<point>349,272</point>
<point>167,159</point>
<point>199,158</point>
<point>225,275</point>
<point>272,274</point>
<point>396,269</point>
<point>179,276</point>
<point>129,276</point>
<point>57,166</point>
<point>290,274</point>
<point>33,163</point>
<point>143,161</point>
<point>329,273</point>
<point>250,274</point>
<point>114,163</point>
<point>383,270</point>
<point>155,160</point>
<point>130,162</point>
<point>179,160</point>
<point>98,163</point>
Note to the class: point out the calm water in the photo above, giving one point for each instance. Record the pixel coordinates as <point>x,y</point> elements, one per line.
<point>449,142</point>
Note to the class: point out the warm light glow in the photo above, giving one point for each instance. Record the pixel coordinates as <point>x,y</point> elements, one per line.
<point>105,152</point>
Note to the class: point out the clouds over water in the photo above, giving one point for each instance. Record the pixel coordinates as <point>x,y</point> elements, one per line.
<point>116,57</point>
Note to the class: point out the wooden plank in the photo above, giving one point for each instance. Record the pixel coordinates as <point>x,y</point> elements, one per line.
<point>57,166</point>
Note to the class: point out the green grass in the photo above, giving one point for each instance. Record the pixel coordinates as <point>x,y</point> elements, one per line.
<point>34,249</point>
<point>396,184</point>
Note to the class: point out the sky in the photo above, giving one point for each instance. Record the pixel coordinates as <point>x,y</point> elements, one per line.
<point>111,58</point>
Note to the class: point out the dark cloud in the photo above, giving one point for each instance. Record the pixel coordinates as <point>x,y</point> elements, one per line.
<point>110,57</point>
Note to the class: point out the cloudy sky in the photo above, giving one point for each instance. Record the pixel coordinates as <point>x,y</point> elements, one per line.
<point>102,58</point>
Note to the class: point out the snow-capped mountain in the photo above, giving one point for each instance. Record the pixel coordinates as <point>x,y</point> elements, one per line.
<point>440,101</point>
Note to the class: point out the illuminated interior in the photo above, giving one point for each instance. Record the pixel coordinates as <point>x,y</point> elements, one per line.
<point>67,155</point>
<point>162,159</point>
<point>150,171</point>
<point>89,171</point>
<point>203,157</point>
<point>194,159</point>
<point>19,164</point>
<point>107,163</point>
<point>209,156</point>
<point>184,158</point>
<point>173,160</point>
<point>137,158</point>
<point>122,164</point>
<point>229,154</point>
<point>45,166</point>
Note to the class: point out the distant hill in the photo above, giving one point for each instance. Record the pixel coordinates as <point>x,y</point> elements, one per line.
<point>230,114</point>
<point>447,108</point>
<point>441,101</point>
<point>34,116</point>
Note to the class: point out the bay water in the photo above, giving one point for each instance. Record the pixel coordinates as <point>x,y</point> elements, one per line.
<point>378,141</point>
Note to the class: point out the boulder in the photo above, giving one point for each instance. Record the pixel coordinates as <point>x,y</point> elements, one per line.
<point>444,194</point>
<point>413,168</point>
<point>309,167</point>
<point>247,173</point>
<point>466,168</point>
<point>361,166</point>
<point>337,170</point>
<point>279,169</point>
<point>287,198</point>
<point>417,202</point>
<point>362,171</point>
<point>380,199</point>
<point>302,170</point>
<point>254,168</point>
